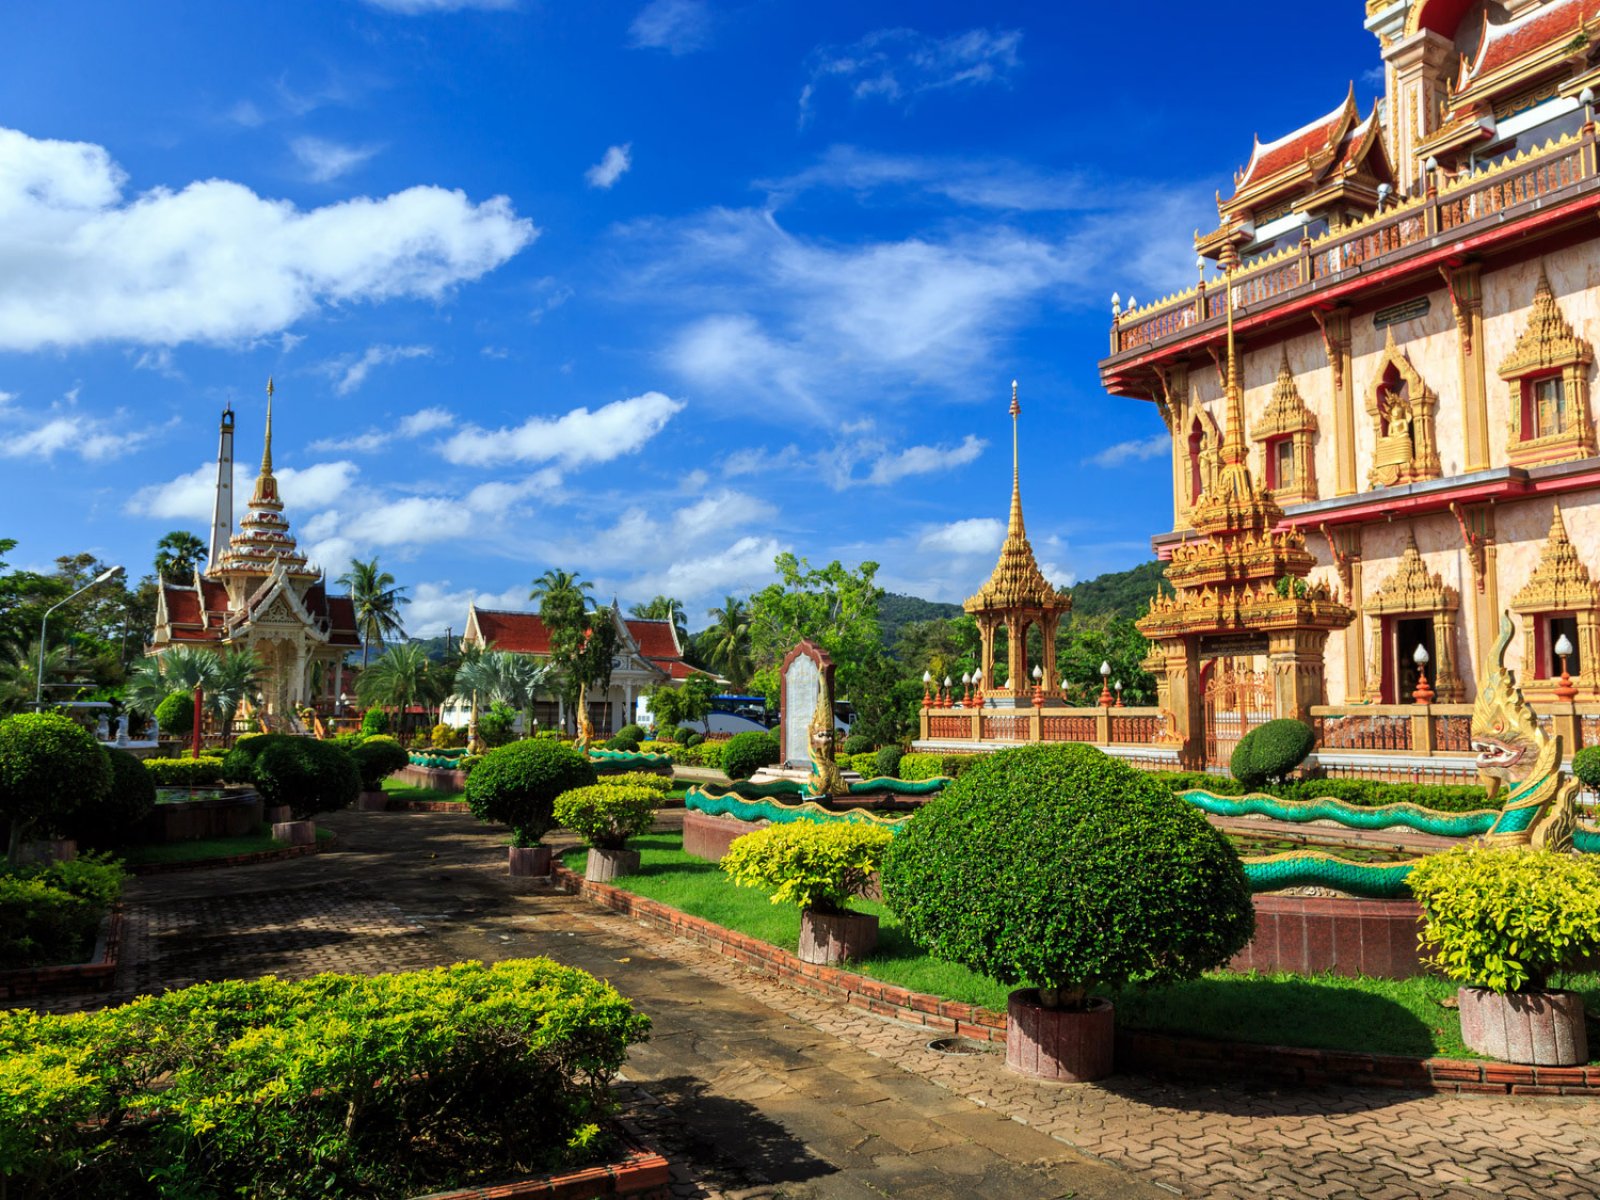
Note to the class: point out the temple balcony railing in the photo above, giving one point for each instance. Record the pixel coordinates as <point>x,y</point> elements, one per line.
<point>1426,742</point>
<point>1097,726</point>
<point>1452,218</point>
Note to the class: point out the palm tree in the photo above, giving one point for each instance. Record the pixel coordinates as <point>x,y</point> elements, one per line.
<point>145,688</point>
<point>19,673</point>
<point>558,585</point>
<point>665,608</point>
<point>400,677</point>
<point>730,646</point>
<point>377,603</point>
<point>237,674</point>
<point>177,555</point>
<point>498,675</point>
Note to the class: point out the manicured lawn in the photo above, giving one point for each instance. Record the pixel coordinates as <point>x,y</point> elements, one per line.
<point>401,791</point>
<point>1325,1012</point>
<point>207,848</point>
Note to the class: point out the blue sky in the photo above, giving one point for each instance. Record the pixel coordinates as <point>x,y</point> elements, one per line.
<point>649,291</point>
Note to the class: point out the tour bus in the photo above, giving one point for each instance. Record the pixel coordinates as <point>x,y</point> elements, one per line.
<point>732,713</point>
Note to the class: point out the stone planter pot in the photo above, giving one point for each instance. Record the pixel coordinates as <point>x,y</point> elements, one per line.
<point>296,833</point>
<point>528,861</point>
<point>605,865</point>
<point>373,801</point>
<point>1543,1028</point>
<point>276,814</point>
<point>829,938</point>
<point>48,850</point>
<point>1056,1043</point>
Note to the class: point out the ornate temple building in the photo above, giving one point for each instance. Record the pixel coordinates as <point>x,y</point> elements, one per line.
<point>258,591</point>
<point>648,654</point>
<point>1406,430</point>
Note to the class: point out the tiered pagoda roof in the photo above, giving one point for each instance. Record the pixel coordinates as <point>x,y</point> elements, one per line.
<point>264,541</point>
<point>524,633</point>
<point>1242,573</point>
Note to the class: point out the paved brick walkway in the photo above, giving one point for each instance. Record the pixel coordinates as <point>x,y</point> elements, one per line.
<point>759,1091</point>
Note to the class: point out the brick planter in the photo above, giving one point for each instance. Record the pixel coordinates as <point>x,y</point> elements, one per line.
<point>605,865</point>
<point>528,861</point>
<point>639,1174</point>
<point>1312,934</point>
<point>48,850</point>
<point>277,814</point>
<point>295,833</point>
<point>829,938</point>
<point>96,975</point>
<point>1542,1028</point>
<point>708,837</point>
<point>1059,1043</point>
<point>377,801</point>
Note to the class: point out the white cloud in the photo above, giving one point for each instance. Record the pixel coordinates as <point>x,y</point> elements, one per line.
<point>898,65</point>
<point>975,535</point>
<point>435,608</point>
<point>722,511</point>
<point>426,420</point>
<point>676,26</point>
<point>350,371</point>
<point>369,442</point>
<point>580,436</point>
<point>403,521</point>
<point>214,262</point>
<point>1136,450</point>
<point>65,429</point>
<point>423,421</point>
<point>497,496</point>
<point>191,496</point>
<point>325,160</point>
<point>611,167</point>
<point>974,182</point>
<point>743,567</point>
<point>924,460</point>
<point>412,8</point>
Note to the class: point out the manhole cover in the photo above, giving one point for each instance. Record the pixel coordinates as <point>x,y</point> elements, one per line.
<point>956,1045</point>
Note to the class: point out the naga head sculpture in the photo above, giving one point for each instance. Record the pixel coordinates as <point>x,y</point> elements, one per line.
<point>1505,732</point>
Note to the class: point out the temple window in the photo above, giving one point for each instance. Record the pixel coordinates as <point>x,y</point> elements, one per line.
<point>1285,432</point>
<point>1560,600</point>
<point>1548,374</point>
<point>1555,628</point>
<point>1280,473</point>
<point>1402,408</point>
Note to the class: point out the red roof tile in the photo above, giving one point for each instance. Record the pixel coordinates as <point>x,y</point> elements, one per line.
<point>521,633</point>
<point>656,639</point>
<point>675,668</point>
<point>1270,158</point>
<point>1502,45</point>
<point>183,605</point>
<point>215,594</point>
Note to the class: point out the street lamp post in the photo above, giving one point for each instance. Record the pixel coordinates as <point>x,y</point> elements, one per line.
<point>1566,690</point>
<point>38,691</point>
<point>1105,685</point>
<point>1423,694</point>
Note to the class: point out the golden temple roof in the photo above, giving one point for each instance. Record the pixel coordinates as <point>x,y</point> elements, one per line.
<point>1016,581</point>
<point>264,539</point>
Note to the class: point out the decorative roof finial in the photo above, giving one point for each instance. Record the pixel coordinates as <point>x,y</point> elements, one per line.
<point>1234,449</point>
<point>266,446</point>
<point>1014,526</point>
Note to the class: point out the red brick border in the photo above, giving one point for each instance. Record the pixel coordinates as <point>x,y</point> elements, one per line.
<point>399,805</point>
<point>234,860</point>
<point>93,976</point>
<point>640,1174</point>
<point>1153,1053</point>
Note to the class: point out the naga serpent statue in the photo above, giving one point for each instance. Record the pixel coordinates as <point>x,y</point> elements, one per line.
<point>825,777</point>
<point>585,725</point>
<point>1513,750</point>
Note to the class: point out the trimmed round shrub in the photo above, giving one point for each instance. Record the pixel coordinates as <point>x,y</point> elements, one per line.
<point>606,815</point>
<point>376,760</point>
<point>112,820</point>
<point>1061,867</point>
<point>746,753</point>
<point>659,784</point>
<point>1507,917</point>
<point>857,743</point>
<point>634,733</point>
<point>683,734</point>
<point>49,766</point>
<point>517,785</point>
<point>1586,767</point>
<point>205,771</point>
<point>1270,751</point>
<point>175,714</point>
<point>374,720</point>
<point>622,742</point>
<point>887,762</point>
<point>309,776</point>
<point>239,764</point>
<point>817,865</point>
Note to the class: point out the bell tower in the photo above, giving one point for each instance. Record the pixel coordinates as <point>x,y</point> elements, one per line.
<point>222,510</point>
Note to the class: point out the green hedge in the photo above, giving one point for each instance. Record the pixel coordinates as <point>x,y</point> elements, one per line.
<point>205,771</point>
<point>746,753</point>
<point>113,820</point>
<point>335,1086</point>
<point>50,913</point>
<point>887,764</point>
<point>936,766</point>
<point>376,760</point>
<point>517,785</point>
<point>309,776</point>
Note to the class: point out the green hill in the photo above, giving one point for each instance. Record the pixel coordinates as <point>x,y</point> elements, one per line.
<point>1121,593</point>
<point>895,612</point>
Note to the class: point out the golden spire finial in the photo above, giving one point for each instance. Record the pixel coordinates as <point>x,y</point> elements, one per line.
<point>266,446</point>
<point>1234,450</point>
<point>1014,525</point>
<point>1558,526</point>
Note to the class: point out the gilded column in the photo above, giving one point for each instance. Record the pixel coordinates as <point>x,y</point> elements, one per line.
<point>1355,656</point>
<point>1335,328</point>
<point>1465,289</point>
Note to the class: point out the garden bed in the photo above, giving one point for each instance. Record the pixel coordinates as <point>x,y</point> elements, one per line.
<point>94,974</point>
<point>637,1173</point>
<point>206,853</point>
<point>1323,1014</point>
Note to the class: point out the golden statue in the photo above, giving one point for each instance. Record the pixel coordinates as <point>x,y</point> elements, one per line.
<point>825,777</point>
<point>585,726</point>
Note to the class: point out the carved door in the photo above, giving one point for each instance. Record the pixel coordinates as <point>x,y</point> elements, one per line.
<point>1237,699</point>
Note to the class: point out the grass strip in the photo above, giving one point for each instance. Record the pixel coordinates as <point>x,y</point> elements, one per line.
<point>203,849</point>
<point>1324,1012</point>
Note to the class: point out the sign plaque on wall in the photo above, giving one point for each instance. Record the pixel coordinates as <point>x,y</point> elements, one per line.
<point>1233,645</point>
<point>1406,310</point>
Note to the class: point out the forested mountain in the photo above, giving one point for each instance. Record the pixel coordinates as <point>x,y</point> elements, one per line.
<point>896,611</point>
<point>1121,593</point>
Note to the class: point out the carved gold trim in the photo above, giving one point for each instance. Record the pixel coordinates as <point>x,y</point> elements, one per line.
<point>1548,345</point>
<point>1560,583</point>
<point>1406,449</point>
<point>1287,416</point>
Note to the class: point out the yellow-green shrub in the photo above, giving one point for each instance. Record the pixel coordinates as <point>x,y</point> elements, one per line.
<point>816,865</point>
<point>386,1085</point>
<point>607,814</point>
<point>204,771</point>
<point>659,784</point>
<point>1505,918</point>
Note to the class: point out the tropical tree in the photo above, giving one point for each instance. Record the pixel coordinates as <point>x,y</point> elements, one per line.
<point>146,688</point>
<point>377,603</point>
<point>730,645</point>
<point>665,608</point>
<point>177,555</point>
<point>402,676</point>
<point>491,676</point>
<point>19,674</point>
<point>563,588</point>
<point>237,675</point>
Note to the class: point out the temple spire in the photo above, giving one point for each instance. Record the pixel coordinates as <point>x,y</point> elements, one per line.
<point>1234,449</point>
<point>1014,525</point>
<point>266,446</point>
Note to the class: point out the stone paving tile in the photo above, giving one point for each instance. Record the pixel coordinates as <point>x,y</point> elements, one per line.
<point>760,1092</point>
